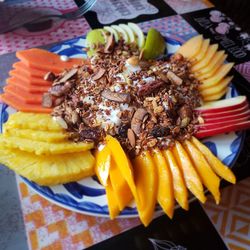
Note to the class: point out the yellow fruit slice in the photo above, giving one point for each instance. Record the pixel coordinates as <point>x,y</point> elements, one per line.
<point>218,167</point>
<point>206,59</point>
<point>33,121</point>
<point>123,162</point>
<point>216,96</point>
<point>102,164</point>
<point>165,193</point>
<point>112,202</point>
<point>203,50</point>
<point>216,89</point>
<point>215,63</point>
<point>192,47</point>
<point>46,136</point>
<point>39,147</point>
<point>208,177</point>
<point>49,170</point>
<point>120,187</point>
<point>219,75</point>
<point>180,190</point>
<point>192,179</point>
<point>147,185</point>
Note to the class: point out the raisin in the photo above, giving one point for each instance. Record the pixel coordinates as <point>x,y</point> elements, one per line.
<point>123,129</point>
<point>159,131</point>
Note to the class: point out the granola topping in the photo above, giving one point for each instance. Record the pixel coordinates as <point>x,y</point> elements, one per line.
<point>144,104</point>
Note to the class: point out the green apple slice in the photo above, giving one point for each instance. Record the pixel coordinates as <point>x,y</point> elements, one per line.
<point>138,33</point>
<point>129,32</point>
<point>155,44</point>
<point>93,38</point>
<point>112,31</point>
<point>122,33</point>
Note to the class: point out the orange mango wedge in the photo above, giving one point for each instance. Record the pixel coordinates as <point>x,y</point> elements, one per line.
<point>218,167</point>
<point>180,190</point>
<point>192,179</point>
<point>112,202</point>
<point>147,186</point>
<point>165,193</point>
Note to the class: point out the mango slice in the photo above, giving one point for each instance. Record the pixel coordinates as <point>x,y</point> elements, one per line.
<point>112,202</point>
<point>180,190</point>
<point>123,163</point>
<point>147,186</point>
<point>215,96</point>
<point>203,50</point>
<point>120,187</point>
<point>165,193</point>
<point>192,179</point>
<point>218,167</point>
<point>208,177</point>
<point>103,164</point>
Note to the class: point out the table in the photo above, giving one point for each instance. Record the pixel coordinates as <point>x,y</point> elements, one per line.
<point>28,221</point>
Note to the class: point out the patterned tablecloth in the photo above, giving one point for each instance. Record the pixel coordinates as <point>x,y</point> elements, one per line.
<point>49,226</point>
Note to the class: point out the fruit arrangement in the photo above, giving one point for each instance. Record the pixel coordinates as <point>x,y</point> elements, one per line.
<point>128,114</point>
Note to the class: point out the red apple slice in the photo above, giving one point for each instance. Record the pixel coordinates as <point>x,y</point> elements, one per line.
<point>228,118</point>
<point>222,105</point>
<point>225,129</point>
<point>225,113</point>
<point>214,125</point>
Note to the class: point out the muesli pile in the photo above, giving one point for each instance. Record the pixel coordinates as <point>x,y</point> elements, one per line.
<point>143,103</point>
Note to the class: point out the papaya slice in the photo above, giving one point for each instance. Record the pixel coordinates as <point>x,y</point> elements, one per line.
<point>21,106</point>
<point>207,175</point>
<point>218,167</point>
<point>26,87</point>
<point>165,193</point>
<point>147,186</point>
<point>31,71</point>
<point>45,60</point>
<point>32,80</point>
<point>24,96</point>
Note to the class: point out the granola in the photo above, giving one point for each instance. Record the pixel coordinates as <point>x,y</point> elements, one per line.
<point>144,104</point>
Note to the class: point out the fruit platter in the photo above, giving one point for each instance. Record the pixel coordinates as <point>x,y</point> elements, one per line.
<point>122,124</point>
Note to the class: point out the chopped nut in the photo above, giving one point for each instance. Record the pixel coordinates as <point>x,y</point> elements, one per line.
<point>137,120</point>
<point>61,122</point>
<point>174,78</point>
<point>131,137</point>
<point>110,44</point>
<point>185,121</point>
<point>75,117</point>
<point>200,120</point>
<point>98,74</point>
<point>116,97</point>
<point>47,100</point>
<point>134,60</point>
<point>150,87</point>
<point>151,143</point>
<point>68,75</point>
<point>50,76</point>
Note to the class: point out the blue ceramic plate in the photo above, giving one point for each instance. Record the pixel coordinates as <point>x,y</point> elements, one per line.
<point>88,196</point>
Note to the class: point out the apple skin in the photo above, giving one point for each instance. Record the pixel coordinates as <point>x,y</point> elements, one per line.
<point>224,129</point>
<point>222,105</point>
<point>225,118</point>
<point>225,113</point>
<point>215,125</point>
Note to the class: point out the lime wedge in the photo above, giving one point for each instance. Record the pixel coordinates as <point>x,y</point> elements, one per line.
<point>155,44</point>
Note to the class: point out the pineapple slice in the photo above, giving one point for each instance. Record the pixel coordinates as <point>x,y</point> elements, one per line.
<point>40,147</point>
<point>34,121</point>
<point>46,136</point>
<point>49,170</point>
